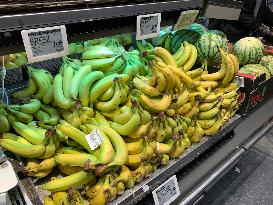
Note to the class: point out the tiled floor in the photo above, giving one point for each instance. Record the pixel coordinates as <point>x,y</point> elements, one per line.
<point>253,185</point>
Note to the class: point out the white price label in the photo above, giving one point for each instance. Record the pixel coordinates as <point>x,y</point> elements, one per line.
<point>240,81</point>
<point>45,43</point>
<point>94,139</point>
<point>166,192</point>
<point>186,18</point>
<point>148,26</point>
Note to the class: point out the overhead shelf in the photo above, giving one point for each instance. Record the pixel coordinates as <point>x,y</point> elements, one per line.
<point>69,16</point>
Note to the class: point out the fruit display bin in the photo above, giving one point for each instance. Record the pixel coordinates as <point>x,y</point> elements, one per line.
<point>131,196</point>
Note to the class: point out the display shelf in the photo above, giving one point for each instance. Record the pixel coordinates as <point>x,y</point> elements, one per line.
<point>135,194</point>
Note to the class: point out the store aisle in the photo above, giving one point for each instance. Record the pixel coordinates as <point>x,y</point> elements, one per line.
<point>250,182</point>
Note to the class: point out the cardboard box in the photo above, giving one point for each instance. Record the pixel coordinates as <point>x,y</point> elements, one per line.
<point>253,92</point>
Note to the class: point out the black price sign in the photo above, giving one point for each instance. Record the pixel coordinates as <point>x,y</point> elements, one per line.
<point>148,26</point>
<point>167,192</point>
<point>45,43</point>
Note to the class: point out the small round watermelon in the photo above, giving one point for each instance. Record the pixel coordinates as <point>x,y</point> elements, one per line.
<point>180,36</point>
<point>248,50</point>
<point>208,48</point>
<point>220,33</point>
<point>267,61</point>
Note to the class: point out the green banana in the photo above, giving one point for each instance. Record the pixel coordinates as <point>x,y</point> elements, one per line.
<point>32,107</point>
<point>98,64</point>
<point>67,79</point>
<point>28,91</point>
<point>85,85</point>
<point>48,97</point>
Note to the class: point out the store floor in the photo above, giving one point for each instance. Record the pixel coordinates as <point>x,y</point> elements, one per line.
<point>250,182</point>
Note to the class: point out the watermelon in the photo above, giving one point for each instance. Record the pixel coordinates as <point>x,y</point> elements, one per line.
<point>180,36</point>
<point>220,33</point>
<point>267,61</point>
<point>197,27</point>
<point>208,48</point>
<point>256,69</point>
<point>248,50</point>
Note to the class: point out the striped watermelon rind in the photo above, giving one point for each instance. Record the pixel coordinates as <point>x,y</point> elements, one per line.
<point>208,48</point>
<point>248,50</point>
<point>267,61</point>
<point>257,69</point>
<point>180,36</point>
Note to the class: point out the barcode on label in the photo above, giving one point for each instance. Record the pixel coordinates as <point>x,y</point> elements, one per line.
<point>240,81</point>
<point>94,139</point>
<point>148,26</point>
<point>167,192</point>
<point>45,43</point>
<point>185,19</point>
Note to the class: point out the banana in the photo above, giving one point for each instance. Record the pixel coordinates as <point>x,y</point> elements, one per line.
<point>135,147</point>
<point>168,76</point>
<point>76,81</point>
<point>48,97</point>
<point>178,53</point>
<point>198,133</point>
<point>92,191</point>
<point>48,201</point>
<point>206,124</point>
<point>206,115</point>
<point>65,183</point>
<point>124,89</point>
<point>235,62</point>
<point>94,52</point>
<point>75,134</point>
<point>136,159</point>
<point>107,152</point>
<point>50,149</point>
<point>214,129</point>
<point>78,159</point>
<point>139,173</point>
<point>117,67</point>
<point>145,88</point>
<point>8,136</point>
<point>103,84</point>
<point>103,195</point>
<point>23,117</point>
<point>69,170</point>
<point>180,146</point>
<point>120,188</point>
<point>40,78</point>
<point>164,54</point>
<point>161,133</point>
<point>183,76</point>
<point>227,102</point>
<point>119,146</point>
<point>124,174</point>
<point>58,94</point>
<point>129,127</point>
<point>219,74</point>
<point>124,117</point>
<point>229,72</point>
<point>67,79</point>
<point>229,88</point>
<point>145,116</point>
<point>155,105</point>
<point>99,64</point>
<point>180,100</point>
<point>161,81</point>
<point>195,73</point>
<point>185,55</point>
<point>24,150</point>
<point>210,98</point>
<point>44,165</point>
<point>184,109</point>
<point>194,111</point>
<point>55,115</point>
<point>108,94</point>
<point>60,198</point>
<point>28,91</point>
<point>230,94</point>
<point>139,132</point>
<point>29,133</point>
<point>164,148</point>
<point>208,84</point>
<point>40,174</point>
<point>32,107</point>
<point>85,85</point>
<point>207,106</point>
<point>191,60</point>
<point>101,120</point>
<point>113,103</point>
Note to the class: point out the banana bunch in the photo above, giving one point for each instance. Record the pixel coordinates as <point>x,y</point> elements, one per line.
<point>69,62</point>
<point>225,75</point>
<point>143,45</point>
<point>5,120</point>
<point>39,82</point>
<point>185,57</point>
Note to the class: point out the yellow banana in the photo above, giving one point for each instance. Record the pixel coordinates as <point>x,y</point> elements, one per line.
<point>125,174</point>
<point>136,159</point>
<point>181,100</point>
<point>214,129</point>
<point>230,71</point>
<point>103,194</point>
<point>123,117</point>
<point>145,116</point>
<point>28,91</point>
<point>195,73</point>
<point>209,114</point>
<point>198,133</point>
<point>60,198</point>
<point>164,54</point>
<point>78,159</point>
<point>206,124</point>
<point>208,84</point>
<point>180,146</point>
<point>211,98</point>
<point>184,109</point>
<point>135,147</point>
<point>161,81</point>
<point>140,131</point>
<point>145,88</point>
<point>92,191</point>
<point>183,76</point>
<point>108,94</point>
<point>48,201</point>
<point>230,94</point>
<point>40,174</point>
<point>185,55</point>
<point>155,105</point>
<point>227,102</point>
<point>65,183</point>
<point>120,188</point>
<point>235,62</point>
<point>194,111</point>
<point>191,60</point>
<point>69,170</point>
<point>207,106</point>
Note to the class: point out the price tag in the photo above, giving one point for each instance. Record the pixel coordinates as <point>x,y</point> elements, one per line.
<point>240,81</point>
<point>94,139</point>
<point>186,18</point>
<point>45,43</point>
<point>166,192</point>
<point>148,26</point>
